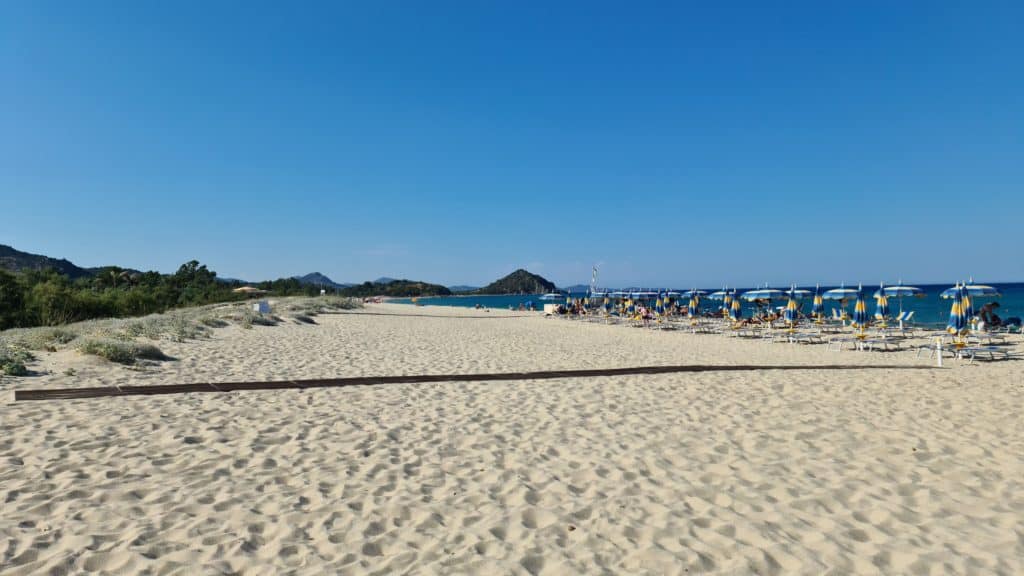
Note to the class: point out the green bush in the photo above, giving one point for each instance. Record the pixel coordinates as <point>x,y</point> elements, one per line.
<point>13,360</point>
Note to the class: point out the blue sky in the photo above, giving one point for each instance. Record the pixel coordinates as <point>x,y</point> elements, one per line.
<point>673,143</point>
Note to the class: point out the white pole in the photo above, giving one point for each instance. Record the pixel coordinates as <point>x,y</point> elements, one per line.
<point>938,352</point>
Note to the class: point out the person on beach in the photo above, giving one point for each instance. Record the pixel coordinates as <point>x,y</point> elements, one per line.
<point>988,316</point>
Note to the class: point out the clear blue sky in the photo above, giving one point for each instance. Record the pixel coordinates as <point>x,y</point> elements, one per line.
<point>674,143</point>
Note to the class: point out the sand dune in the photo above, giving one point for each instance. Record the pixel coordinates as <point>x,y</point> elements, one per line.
<point>866,471</point>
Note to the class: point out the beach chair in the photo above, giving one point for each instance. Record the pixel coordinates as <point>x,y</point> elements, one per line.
<point>837,343</point>
<point>972,352</point>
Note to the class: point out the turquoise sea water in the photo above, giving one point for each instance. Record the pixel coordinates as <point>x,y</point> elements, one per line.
<point>928,310</point>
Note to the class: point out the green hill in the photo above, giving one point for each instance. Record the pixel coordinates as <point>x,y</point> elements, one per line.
<point>519,282</point>
<point>395,288</point>
<point>18,261</point>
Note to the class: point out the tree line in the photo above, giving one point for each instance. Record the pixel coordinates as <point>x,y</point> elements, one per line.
<point>48,298</point>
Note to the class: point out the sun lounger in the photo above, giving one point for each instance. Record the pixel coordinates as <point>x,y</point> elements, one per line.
<point>932,351</point>
<point>972,352</point>
<point>872,344</point>
<point>986,338</point>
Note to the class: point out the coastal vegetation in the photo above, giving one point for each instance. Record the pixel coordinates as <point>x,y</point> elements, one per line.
<point>42,291</point>
<point>134,341</point>
<point>396,288</point>
<point>519,282</point>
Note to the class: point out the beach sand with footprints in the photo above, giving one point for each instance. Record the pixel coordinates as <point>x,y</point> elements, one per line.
<point>858,462</point>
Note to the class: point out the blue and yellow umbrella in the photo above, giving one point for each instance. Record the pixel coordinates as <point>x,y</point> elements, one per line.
<point>818,306</point>
<point>736,310</point>
<point>881,304</point>
<point>692,308</point>
<point>860,311</point>
<point>790,314</point>
<point>966,307</point>
<point>727,301</point>
<point>957,320</point>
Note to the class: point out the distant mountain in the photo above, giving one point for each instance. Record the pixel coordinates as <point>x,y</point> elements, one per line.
<point>318,279</point>
<point>15,261</point>
<point>385,280</point>
<point>575,288</point>
<point>463,288</point>
<point>397,288</point>
<point>519,282</point>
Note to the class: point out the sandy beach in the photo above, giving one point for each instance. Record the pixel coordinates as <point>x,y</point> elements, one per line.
<point>885,466</point>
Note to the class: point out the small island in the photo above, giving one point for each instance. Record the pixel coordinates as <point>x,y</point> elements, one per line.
<point>519,282</point>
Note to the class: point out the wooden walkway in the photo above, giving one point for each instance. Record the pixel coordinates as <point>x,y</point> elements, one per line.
<point>152,390</point>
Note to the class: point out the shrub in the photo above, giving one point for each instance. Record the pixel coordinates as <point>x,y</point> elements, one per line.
<point>121,352</point>
<point>44,338</point>
<point>212,322</point>
<point>13,360</point>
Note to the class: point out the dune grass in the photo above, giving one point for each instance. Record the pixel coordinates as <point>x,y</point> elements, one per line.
<point>117,340</point>
<point>121,352</point>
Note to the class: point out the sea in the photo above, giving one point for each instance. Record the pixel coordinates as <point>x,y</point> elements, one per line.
<point>928,310</point>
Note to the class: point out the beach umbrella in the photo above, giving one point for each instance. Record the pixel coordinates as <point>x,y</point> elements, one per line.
<point>736,310</point>
<point>881,304</point>
<point>766,294</point>
<point>966,307</point>
<point>818,306</point>
<point>762,294</point>
<point>842,295</point>
<point>975,290</point>
<point>607,304</point>
<point>799,293</point>
<point>719,294</point>
<point>860,312</point>
<point>727,304</point>
<point>900,292</point>
<point>957,321</point>
<point>693,305</point>
<point>790,314</point>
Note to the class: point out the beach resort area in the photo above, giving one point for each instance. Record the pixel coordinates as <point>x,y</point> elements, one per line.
<point>631,449</point>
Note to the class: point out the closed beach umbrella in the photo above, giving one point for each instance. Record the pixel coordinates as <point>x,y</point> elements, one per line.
<point>818,306</point>
<point>736,310</point>
<point>790,314</point>
<point>694,303</point>
<point>966,307</point>
<point>881,304</point>
<point>957,321</point>
<point>727,304</point>
<point>860,312</point>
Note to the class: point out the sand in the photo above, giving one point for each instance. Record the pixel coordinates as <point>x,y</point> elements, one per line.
<point>863,470</point>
